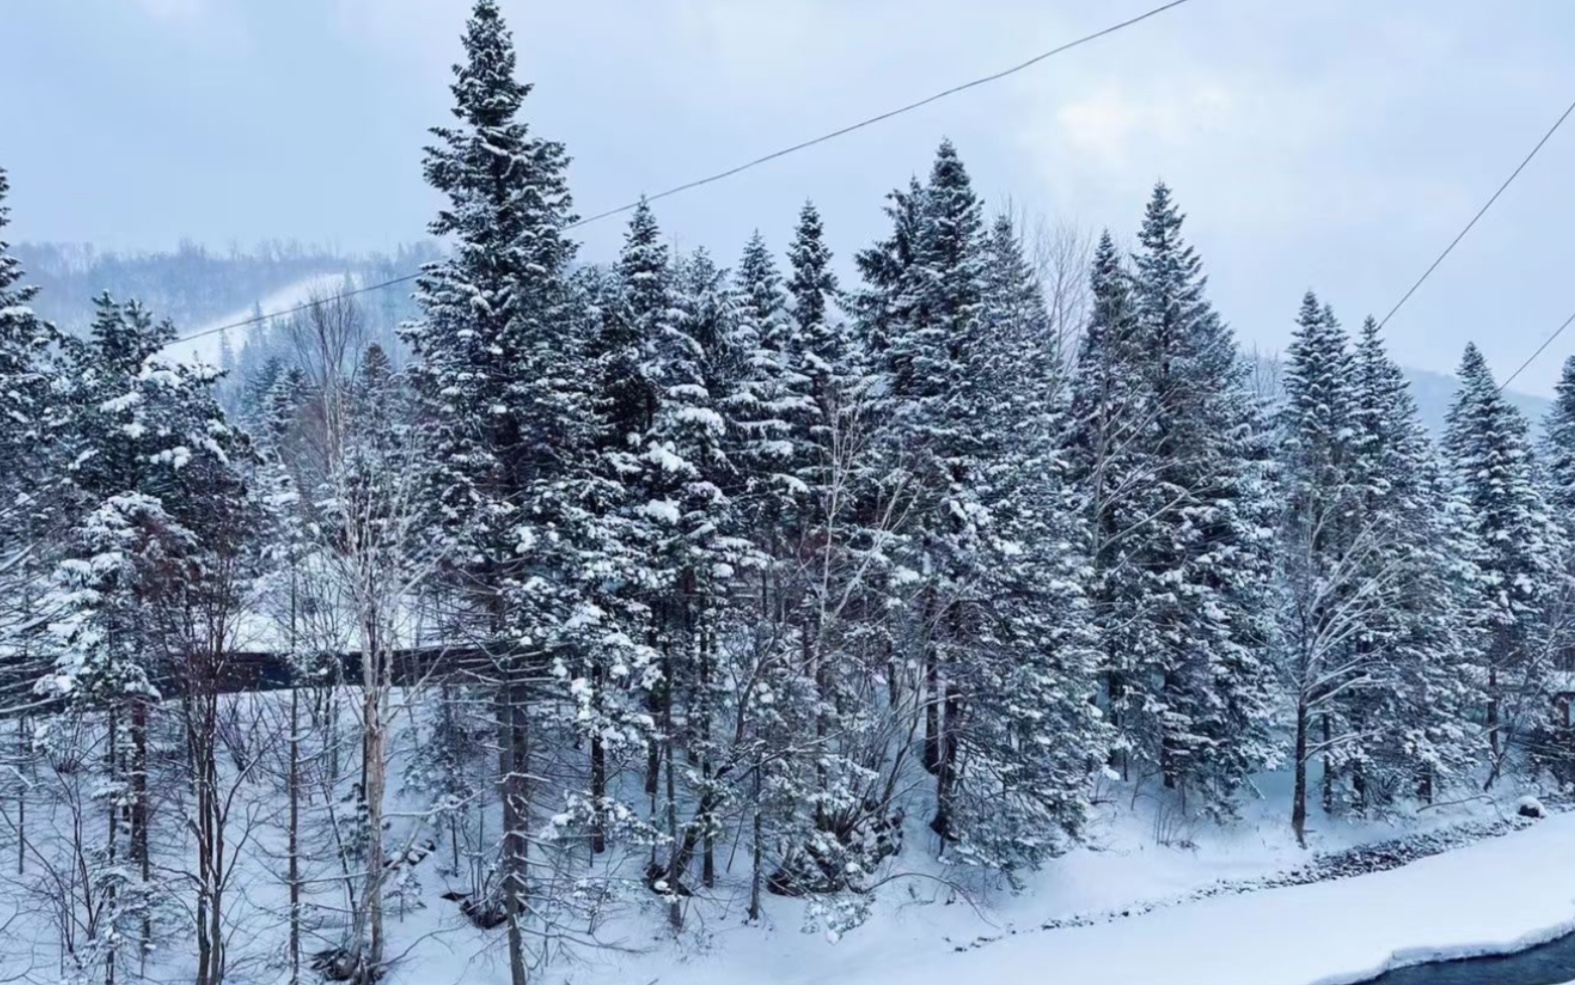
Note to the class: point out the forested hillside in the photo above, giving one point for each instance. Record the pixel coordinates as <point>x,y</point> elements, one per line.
<point>774,588</point>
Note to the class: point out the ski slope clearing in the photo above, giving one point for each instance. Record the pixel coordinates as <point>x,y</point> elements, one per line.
<point>206,347</point>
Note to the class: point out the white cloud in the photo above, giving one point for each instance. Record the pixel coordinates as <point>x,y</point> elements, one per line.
<point>175,10</point>
<point>205,23</point>
<point>1113,126</point>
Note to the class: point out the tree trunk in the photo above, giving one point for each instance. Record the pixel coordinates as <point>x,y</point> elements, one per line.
<point>113,845</point>
<point>1299,794</point>
<point>202,735</point>
<point>1115,692</point>
<point>814,668</point>
<point>1492,710</point>
<point>951,724</point>
<point>664,746</point>
<point>514,760</point>
<point>374,781</point>
<point>1328,770</point>
<point>756,853</point>
<point>708,799</point>
<point>21,797</point>
<point>294,848</point>
<point>932,686</point>
<point>1167,743</point>
<point>140,854</point>
<point>598,769</point>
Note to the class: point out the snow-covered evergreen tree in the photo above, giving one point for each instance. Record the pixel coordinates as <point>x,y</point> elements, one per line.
<point>1488,450</point>
<point>820,341</point>
<point>1419,727</point>
<point>1334,557</point>
<point>501,375</point>
<point>988,559</point>
<point>1558,450</point>
<point>29,413</point>
<point>1023,790</point>
<point>1109,460</point>
<point>1171,451</point>
<point>163,517</point>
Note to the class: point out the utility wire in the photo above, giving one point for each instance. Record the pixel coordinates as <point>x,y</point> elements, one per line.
<point>1480,213</point>
<point>1540,350</point>
<point>747,165</point>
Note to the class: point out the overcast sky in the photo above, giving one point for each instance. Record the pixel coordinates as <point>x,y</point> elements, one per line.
<point>1337,144</point>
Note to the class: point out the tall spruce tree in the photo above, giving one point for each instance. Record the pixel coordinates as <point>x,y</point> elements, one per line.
<point>988,559</point>
<point>1197,705</point>
<point>1558,450</point>
<point>930,352</point>
<point>1334,557</point>
<point>161,514</point>
<point>1489,453</point>
<point>1022,791</point>
<point>29,416</point>
<point>768,401</point>
<point>1419,726</point>
<point>501,375</point>
<point>1109,456</point>
<point>699,550</point>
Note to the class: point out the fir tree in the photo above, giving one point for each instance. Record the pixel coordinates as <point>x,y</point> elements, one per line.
<point>1194,557</point>
<point>148,577</point>
<point>1109,460</point>
<point>24,339</point>
<point>1558,450</point>
<point>769,405</point>
<point>1331,554</point>
<point>29,466</point>
<point>501,378</point>
<point>1489,453</point>
<point>1419,725</point>
<point>989,557</point>
<point>820,341</point>
<point>1022,793</point>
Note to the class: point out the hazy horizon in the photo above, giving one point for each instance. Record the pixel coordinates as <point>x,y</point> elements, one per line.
<point>1338,148</point>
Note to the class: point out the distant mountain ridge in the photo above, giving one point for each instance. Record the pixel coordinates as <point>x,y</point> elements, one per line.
<point>1433,393</point>
<point>199,289</point>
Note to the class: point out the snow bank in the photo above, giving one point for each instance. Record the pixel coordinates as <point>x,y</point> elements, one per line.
<point>1495,896</point>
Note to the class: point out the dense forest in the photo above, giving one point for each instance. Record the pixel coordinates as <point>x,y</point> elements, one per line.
<point>637,576</point>
<point>195,287</point>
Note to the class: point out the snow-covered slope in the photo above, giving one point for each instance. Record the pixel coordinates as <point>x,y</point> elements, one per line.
<point>202,341</point>
<point>1494,896</point>
<point>925,929</point>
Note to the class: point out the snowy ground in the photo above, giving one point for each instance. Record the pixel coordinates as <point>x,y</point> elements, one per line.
<point>1132,893</point>
<point>1490,897</point>
<point>1487,897</point>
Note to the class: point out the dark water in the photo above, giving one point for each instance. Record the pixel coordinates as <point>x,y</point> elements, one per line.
<point>1552,963</point>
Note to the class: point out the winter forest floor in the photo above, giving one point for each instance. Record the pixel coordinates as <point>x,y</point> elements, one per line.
<point>1239,907</point>
<point>1150,897</point>
<point>1487,895</point>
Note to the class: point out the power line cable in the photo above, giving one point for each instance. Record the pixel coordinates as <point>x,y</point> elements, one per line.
<point>1480,213</point>
<point>747,165</point>
<point>1540,350</point>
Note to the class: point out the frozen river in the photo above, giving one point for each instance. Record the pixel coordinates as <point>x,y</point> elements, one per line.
<point>1552,963</point>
